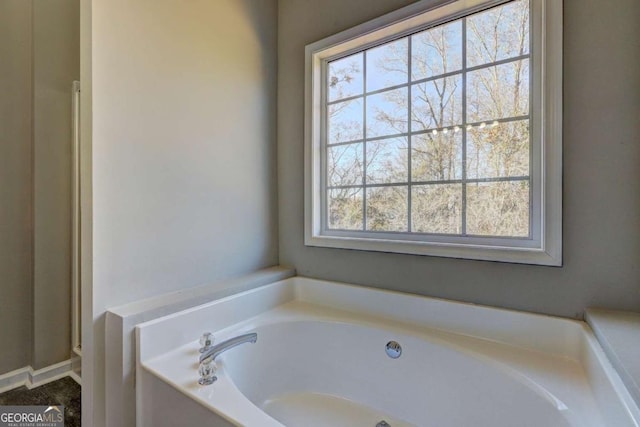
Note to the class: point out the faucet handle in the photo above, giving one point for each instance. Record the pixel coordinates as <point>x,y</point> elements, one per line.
<point>206,341</point>
<point>207,372</point>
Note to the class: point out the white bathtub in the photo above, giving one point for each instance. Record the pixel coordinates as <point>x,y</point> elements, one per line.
<point>320,360</point>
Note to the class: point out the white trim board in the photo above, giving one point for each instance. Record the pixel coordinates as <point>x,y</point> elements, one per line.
<point>32,378</point>
<point>75,377</point>
<point>120,344</point>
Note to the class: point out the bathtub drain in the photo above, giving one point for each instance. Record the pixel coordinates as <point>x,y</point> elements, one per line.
<point>383,423</point>
<point>393,349</point>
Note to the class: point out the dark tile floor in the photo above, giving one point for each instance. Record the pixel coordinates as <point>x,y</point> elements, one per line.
<point>64,391</point>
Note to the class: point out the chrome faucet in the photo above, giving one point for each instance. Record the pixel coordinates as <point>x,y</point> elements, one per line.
<point>218,349</point>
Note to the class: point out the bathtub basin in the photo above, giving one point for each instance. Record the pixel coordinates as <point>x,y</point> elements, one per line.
<point>320,360</point>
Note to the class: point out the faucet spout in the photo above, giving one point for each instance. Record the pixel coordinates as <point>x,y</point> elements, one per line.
<point>218,349</point>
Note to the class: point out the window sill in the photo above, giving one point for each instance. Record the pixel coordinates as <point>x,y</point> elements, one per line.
<point>536,256</point>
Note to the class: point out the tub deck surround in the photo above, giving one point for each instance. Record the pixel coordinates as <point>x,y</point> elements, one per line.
<point>320,360</point>
<point>619,334</point>
<point>120,334</point>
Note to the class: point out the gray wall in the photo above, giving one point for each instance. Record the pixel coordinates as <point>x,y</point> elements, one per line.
<point>15,184</point>
<point>183,146</point>
<point>601,172</point>
<point>39,47</point>
<point>56,63</point>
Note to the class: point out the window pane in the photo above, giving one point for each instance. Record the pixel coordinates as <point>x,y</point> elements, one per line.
<point>387,113</point>
<point>387,161</point>
<point>345,77</point>
<point>344,165</point>
<point>387,65</point>
<point>387,209</point>
<point>436,104</point>
<point>345,209</point>
<point>345,121</point>
<point>498,92</point>
<point>436,157</point>
<point>436,51</point>
<point>498,209</point>
<point>498,33</point>
<point>436,208</point>
<point>498,150</point>
<point>367,146</point>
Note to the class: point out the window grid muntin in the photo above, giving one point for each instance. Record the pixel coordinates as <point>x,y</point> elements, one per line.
<point>364,143</point>
<point>424,131</point>
<point>444,181</point>
<point>464,126</point>
<point>426,79</point>
<point>409,135</point>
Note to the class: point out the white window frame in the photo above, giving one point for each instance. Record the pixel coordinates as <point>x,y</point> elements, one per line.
<point>544,246</point>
